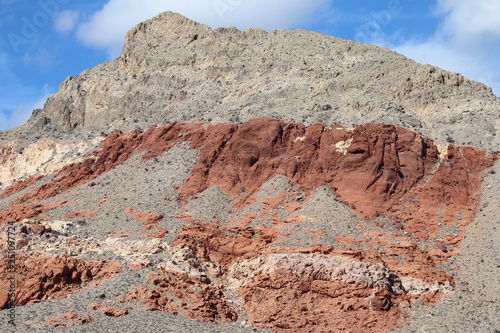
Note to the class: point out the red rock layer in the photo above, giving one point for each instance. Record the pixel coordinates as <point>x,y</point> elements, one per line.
<point>116,148</point>
<point>286,302</point>
<point>401,255</point>
<point>21,212</point>
<point>381,164</point>
<point>448,197</point>
<point>19,186</point>
<point>198,299</point>
<point>374,169</point>
<point>111,311</point>
<point>40,277</point>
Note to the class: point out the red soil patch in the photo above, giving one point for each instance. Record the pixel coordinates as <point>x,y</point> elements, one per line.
<point>41,277</point>
<point>151,221</point>
<point>69,319</point>
<point>81,213</point>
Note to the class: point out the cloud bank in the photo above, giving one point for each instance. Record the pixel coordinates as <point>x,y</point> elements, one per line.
<point>106,28</point>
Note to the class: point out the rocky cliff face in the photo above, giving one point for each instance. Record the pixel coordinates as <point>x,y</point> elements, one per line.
<point>294,222</point>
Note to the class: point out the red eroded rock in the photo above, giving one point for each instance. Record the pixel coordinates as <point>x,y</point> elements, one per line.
<point>19,186</point>
<point>40,277</point>
<point>376,170</point>
<point>448,197</point>
<point>371,167</point>
<point>223,247</point>
<point>41,193</point>
<point>114,311</point>
<point>116,148</point>
<point>151,221</point>
<point>69,315</point>
<point>198,300</point>
<point>286,302</point>
<point>21,212</point>
<point>38,229</point>
<point>148,218</point>
<point>382,163</point>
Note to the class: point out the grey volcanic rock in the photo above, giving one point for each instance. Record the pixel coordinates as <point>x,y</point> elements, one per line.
<point>174,69</point>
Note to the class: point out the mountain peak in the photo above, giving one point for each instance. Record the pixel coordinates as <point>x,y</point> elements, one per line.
<point>163,27</point>
<point>175,69</point>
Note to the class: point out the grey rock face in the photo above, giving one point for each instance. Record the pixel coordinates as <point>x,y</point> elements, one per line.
<point>174,69</point>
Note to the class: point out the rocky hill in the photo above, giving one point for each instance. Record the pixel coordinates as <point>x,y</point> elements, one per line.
<point>227,181</point>
<point>174,69</point>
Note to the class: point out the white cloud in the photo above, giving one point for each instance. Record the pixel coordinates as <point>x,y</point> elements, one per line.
<point>107,28</point>
<point>66,21</point>
<point>467,41</point>
<point>467,21</point>
<point>23,111</point>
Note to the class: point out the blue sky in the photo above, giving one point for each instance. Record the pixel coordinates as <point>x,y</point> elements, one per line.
<point>44,41</point>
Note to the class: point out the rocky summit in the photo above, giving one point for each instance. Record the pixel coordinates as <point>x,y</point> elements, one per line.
<point>244,181</point>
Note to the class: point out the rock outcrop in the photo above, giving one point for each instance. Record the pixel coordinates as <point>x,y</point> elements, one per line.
<point>42,277</point>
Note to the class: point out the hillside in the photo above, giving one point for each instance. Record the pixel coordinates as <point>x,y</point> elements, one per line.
<point>225,181</point>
